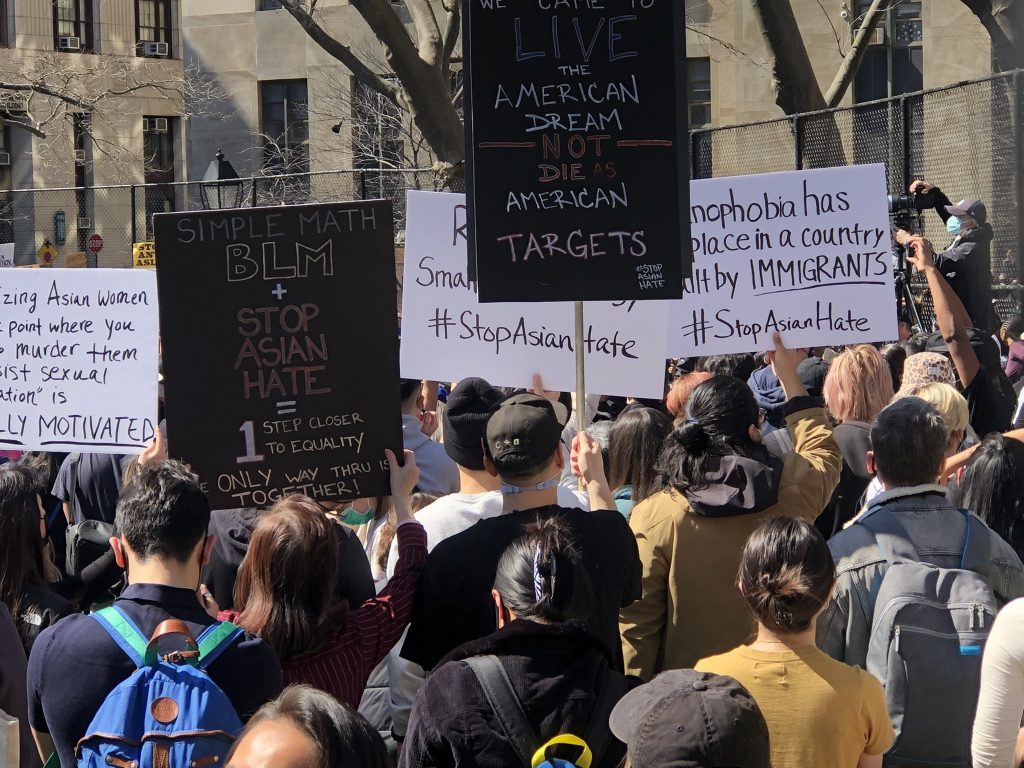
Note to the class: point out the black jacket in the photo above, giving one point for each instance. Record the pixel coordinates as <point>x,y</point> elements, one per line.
<point>967,267</point>
<point>557,671</point>
<point>454,604</point>
<point>233,529</point>
<point>854,438</point>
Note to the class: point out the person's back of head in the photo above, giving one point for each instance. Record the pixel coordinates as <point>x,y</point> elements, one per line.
<point>284,592</point>
<point>688,718</point>
<point>540,577</point>
<point>465,421</point>
<point>722,418</point>
<point>992,486</point>
<point>908,443</point>
<point>524,437</point>
<point>951,406</point>
<point>163,514</point>
<point>1014,329</point>
<point>634,446</point>
<point>786,574</point>
<point>411,390</point>
<point>681,391</point>
<point>21,541</point>
<point>307,728</point>
<point>858,384</point>
<point>739,365</point>
<point>895,356</point>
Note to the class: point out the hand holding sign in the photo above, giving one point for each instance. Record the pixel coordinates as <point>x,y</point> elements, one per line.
<point>784,362</point>
<point>403,482</point>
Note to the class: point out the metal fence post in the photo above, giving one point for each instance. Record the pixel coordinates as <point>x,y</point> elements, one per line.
<point>798,143</point>
<point>694,146</point>
<point>135,217</point>
<point>252,204</point>
<point>362,185</point>
<point>906,116</point>
<point>1018,129</point>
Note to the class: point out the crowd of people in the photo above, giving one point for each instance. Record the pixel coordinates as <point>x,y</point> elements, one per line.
<point>801,558</point>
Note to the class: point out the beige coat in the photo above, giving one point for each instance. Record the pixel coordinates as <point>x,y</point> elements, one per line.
<point>691,607</point>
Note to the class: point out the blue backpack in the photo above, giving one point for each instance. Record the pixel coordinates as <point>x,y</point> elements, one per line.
<point>169,713</point>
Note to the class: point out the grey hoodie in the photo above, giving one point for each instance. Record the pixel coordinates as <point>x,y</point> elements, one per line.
<point>439,475</point>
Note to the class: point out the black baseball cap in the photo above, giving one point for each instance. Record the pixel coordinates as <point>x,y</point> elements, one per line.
<point>983,344</point>
<point>689,719</point>
<point>523,433</point>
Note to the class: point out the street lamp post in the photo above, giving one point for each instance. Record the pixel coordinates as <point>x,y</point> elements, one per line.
<point>220,188</point>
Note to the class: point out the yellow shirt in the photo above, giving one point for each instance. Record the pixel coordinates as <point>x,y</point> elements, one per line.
<point>820,712</point>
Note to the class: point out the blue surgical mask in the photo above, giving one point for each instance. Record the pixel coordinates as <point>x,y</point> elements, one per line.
<point>953,225</point>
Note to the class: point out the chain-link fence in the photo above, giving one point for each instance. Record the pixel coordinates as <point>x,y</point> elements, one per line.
<point>967,139</point>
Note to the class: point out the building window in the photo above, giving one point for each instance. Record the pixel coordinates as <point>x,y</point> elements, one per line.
<point>5,33</point>
<point>154,21</point>
<point>158,135</point>
<point>894,63</point>
<point>284,123</point>
<point>6,185</point>
<point>377,131</point>
<point>698,11</point>
<point>698,83</point>
<point>72,25</point>
<point>269,5</point>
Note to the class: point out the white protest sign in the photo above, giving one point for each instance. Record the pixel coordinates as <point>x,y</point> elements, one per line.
<point>447,335</point>
<point>78,359</point>
<point>805,253</point>
<point>6,255</point>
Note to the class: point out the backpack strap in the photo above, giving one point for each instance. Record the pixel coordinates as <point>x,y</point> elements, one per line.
<point>124,632</point>
<point>75,459</point>
<point>507,708</point>
<point>890,536</point>
<point>976,554</point>
<point>216,639</point>
<point>598,735</point>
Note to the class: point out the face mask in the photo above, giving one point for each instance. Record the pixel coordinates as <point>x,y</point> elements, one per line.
<point>351,516</point>
<point>953,225</point>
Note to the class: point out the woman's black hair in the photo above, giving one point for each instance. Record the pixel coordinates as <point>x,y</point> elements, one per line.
<point>720,413</point>
<point>540,577</point>
<point>340,735</point>
<point>993,487</point>
<point>22,557</point>
<point>895,356</point>
<point>633,448</point>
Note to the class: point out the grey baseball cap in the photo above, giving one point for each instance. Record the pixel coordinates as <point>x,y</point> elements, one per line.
<point>972,207</point>
<point>689,719</point>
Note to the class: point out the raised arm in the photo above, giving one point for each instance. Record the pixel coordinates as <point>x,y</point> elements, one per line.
<point>952,318</point>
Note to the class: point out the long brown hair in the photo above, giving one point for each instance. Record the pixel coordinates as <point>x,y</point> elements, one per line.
<point>285,592</point>
<point>21,546</point>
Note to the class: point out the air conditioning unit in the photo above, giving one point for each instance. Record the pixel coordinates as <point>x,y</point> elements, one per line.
<point>12,104</point>
<point>5,158</point>
<point>155,49</point>
<point>70,43</point>
<point>84,223</point>
<point>158,125</point>
<point>877,37</point>
<point>80,156</point>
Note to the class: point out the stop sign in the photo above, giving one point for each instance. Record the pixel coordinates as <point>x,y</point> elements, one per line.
<point>94,244</point>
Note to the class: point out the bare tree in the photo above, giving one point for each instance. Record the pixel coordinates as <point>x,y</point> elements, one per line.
<point>420,60</point>
<point>1004,22</point>
<point>45,94</point>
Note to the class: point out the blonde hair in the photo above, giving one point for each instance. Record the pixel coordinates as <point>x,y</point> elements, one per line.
<point>858,384</point>
<point>951,405</point>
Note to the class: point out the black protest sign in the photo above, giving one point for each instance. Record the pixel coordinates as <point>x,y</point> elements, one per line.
<point>280,349</point>
<point>577,150</point>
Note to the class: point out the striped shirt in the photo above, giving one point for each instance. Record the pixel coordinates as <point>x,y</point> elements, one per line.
<point>343,665</point>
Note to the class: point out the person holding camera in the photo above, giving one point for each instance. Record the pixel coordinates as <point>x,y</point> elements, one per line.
<point>967,262</point>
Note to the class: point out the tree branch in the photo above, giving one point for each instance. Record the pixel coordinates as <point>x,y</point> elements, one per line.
<point>22,124</point>
<point>851,62</point>
<point>67,98</point>
<point>341,52</point>
<point>428,33</point>
<point>451,35</point>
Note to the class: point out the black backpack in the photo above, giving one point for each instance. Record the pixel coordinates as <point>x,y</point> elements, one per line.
<point>88,540</point>
<point>563,751</point>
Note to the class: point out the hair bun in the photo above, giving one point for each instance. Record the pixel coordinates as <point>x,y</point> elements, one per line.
<point>692,436</point>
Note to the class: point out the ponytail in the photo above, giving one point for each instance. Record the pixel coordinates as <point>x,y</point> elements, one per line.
<point>539,576</point>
